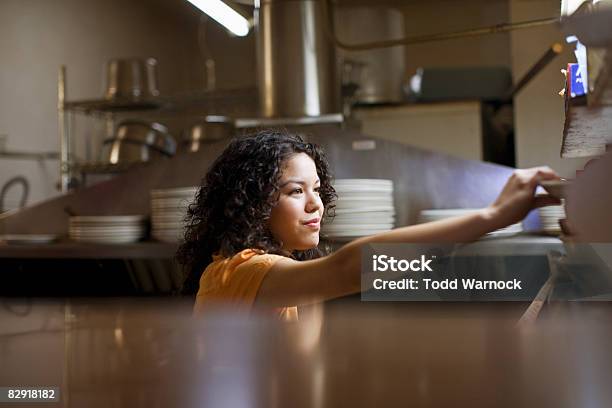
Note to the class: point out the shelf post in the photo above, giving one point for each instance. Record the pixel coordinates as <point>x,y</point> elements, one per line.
<point>64,183</point>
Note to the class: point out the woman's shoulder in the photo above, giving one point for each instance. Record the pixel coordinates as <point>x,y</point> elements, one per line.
<point>243,269</point>
<point>234,279</point>
<point>245,257</point>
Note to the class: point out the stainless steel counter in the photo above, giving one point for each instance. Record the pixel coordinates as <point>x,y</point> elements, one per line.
<point>154,354</point>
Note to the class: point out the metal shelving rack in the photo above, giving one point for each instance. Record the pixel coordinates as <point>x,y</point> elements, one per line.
<point>196,104</point>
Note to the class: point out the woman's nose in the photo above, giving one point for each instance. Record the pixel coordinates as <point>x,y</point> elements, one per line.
<point>314,202</point>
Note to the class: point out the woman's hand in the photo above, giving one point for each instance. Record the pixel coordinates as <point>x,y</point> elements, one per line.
<point>517,197</point>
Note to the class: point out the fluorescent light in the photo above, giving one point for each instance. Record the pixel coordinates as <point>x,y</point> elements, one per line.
<point>224,15</point>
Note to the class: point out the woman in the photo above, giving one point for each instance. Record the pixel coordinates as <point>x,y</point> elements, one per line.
<point>253,229</point>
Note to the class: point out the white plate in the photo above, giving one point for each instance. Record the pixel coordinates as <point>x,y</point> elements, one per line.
<point>158,202</point>
<point>106,231</point>
<point>106,219</point>
<point>436,215</point>
<point>379,201</point>
<point>377,182</point>
<point>356,187</point>
<point>168,231</point>
<point>167,217</point>
<point>28,238</point>
<point>446,213</point>
<point>175,192</point>
<point>341,191</point>
<point>361,206</point>
<point>109,227</point>
<point>357,229</point>
<point>354,231</point>
<point>108,240</point>
<point>378,209</point>
<point>552,208</point>
<point>363,225</point>
<point>121,228</point>
<point>360,219</point>
<point>169,209</point>
<point>354,234</point>
<point>366,196</point>
<point>347,238</point>
<point>120,238</point>
<point>168,213</point>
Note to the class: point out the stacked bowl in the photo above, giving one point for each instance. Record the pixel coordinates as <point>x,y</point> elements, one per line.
<point>364,207</point>
<point>107,229</point>
<point>168,211</point>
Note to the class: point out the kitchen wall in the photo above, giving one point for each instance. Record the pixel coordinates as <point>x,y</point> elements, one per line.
<point>440,16</point>
<point>453,128</point>
<point>37,36</point>
<point>538,109</point>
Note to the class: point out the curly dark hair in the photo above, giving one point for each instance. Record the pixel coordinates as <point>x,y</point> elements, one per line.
<point>233,204</point>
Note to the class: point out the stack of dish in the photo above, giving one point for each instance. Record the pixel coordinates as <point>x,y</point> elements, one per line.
<point>107,229</point>
<point>168,211</point>
<point>550,216</point>
<point>435,215</point>
<point>364,207</point>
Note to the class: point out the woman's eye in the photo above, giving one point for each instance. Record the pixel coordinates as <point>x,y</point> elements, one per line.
<point>296,191</point>
<point>317,190</point>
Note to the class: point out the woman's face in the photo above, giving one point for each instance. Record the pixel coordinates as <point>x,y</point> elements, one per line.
<point>295,220</point>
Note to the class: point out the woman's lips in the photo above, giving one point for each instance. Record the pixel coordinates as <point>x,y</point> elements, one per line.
<point>315,223</point>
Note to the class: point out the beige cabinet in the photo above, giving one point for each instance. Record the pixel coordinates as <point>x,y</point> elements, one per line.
<point>453,128</point>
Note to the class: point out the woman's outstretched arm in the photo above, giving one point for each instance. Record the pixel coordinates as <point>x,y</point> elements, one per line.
<point>292,282</point>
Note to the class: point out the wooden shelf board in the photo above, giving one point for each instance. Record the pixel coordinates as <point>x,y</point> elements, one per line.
<point>586,131</point>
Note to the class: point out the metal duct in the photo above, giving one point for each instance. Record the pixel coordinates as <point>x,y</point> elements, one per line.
<point>379,73</point>
<point>295,61</point>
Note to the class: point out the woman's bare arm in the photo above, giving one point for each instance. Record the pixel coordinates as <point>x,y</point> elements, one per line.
<point>292,282</point>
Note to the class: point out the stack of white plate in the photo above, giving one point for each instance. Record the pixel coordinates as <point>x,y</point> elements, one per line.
<point>168,210</point>
<point>107,229</point>
<point>435,215</point>
<point>364,207</point>
<point>550,216</point>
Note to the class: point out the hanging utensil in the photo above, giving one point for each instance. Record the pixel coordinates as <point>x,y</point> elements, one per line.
<point>24,194</point>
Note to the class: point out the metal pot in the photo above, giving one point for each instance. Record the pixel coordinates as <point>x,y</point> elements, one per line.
<point>212,129</point>
<point>137,141</point>
<point>131,78</point>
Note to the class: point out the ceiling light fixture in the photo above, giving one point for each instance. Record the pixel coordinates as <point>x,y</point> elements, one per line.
<point>224,15</point>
